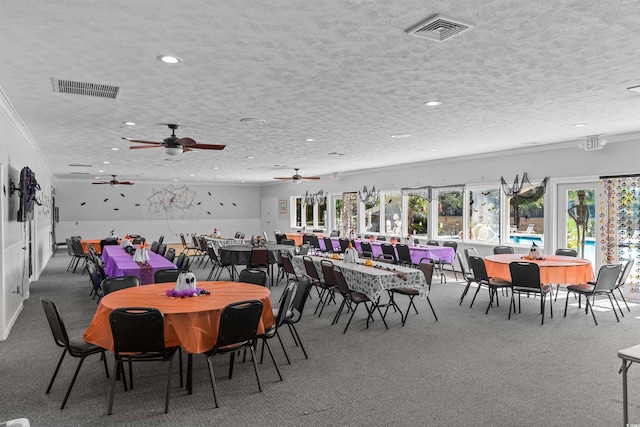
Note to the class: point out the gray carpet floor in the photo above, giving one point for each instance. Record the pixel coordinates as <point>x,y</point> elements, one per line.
<point>468,368</point>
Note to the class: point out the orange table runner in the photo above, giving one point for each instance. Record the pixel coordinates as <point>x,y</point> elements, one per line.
<point>189,322</point>
<point>554,269</point>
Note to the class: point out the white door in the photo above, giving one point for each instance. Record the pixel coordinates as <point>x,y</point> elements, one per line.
<point>269,216</point>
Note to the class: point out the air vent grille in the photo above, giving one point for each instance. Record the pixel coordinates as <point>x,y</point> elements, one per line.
<point>438,28</point>
<point>89,89</point>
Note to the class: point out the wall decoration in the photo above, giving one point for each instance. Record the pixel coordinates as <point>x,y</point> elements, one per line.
<point>170,199</point>
<point>282,207</point>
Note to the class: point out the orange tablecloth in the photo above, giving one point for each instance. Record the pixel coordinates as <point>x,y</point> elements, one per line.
<point>297,237</point>
<point>554,269</point>
<point>189,322</point>
<point>93,242</point>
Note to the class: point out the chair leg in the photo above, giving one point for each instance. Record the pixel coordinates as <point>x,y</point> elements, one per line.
<point>464,292</point>
<point>116,368</point>
<point>283,349</point>
<point>55,373</point>
<point>273,359</point>
<point>614,309</point>
<point>213,381</point>
<point>432,310</point>
<point>475,295</point>
<point>166,402</point>
<point>590,306</point>
<point>624,299</point>
<point>294,330</point>
<point>351,317</point>
<point>255,367</point>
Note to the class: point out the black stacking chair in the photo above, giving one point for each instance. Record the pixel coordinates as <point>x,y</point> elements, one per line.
<point>162,250</point>
<point>170,254</point>
<point>256,277</point>
<point>181,260</point>
<point>367,251</point>
<point>335,233</point>
<point>483,279</point>
<point>427,270</point>
<point>497,250</point>
<point>76,347</point>
<point>352,299</point>
<point>216,265</point>
<point>605,284</point>
<point>154,247</point>
<point>108,242</point>
<point>115,283</point>
<point>166,275</point>
<point>525,279</point>
<point>624,275</point>
<point>160,240</point>
<point>138,336</point>
<point>238,328</point>
<point>96,281</point>
<point>564,252</point>
<point>344,244</point>
<point>328,245</point>
<point>297,308</point>
<point>289,242</point>
<point>78,254</point>
<point>468,276</point>
<point>280,238</point>
<point>269,333</point>
<point>387,249</point>
<point>404,254</point>
<point>381,238</point>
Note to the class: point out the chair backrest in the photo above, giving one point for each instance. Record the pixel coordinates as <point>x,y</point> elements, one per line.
<point>289,242</point>
<point>182,240</point>
<point>404,254</point>
<point>77,248</point>
<point>503,250</point>
<point>310,268</point>
<point>239,323</point>
<point>479,269</point>
<point>344,244</point>
<point>327,272</point>
<point>259,258</point>
<point>450,244</point>
<point>138,240</point>
<point>381,238</point>
<point>185,264</point>
<point>202,244</point>
<point>107,242</point>
<point>280,238</point>
<point>69,248</point>
<point>237,235</point>
<point>137,330</point>
<point>180,261</point>
<point>341,282</point>
<point>608,277</point>
<point>213,256</point>
<point>160,240</point>
<point>94,275</point>
<point>463,265</point>
<point>427,270</point>
<point>55,323</point>
<point>468,252</point>
<point>300,298</point>
<point>366,247</point>
<point>162,249</point>
<point>525,275</point>
<point>285,302</point>
<point>154,247</point>
<point>335,233</point>
<point>328,244</point>
<point>287,265</point>
<point>171,254</point>
<point>115,283</point>
<point>387,249</point>
<point>304,249</point>
<point>433,243</point>
<point>567,252</point>
<point>166,275</point>
<point>624,274</point>
<point>256,277</point>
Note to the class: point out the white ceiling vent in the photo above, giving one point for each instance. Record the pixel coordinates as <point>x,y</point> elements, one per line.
<point>438,28</point>
<point>90,89</point>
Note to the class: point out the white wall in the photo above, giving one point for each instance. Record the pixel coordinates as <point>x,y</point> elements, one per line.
<point>17,151</point>
<point>90,210</point>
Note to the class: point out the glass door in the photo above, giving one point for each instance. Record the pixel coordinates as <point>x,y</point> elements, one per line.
<point>577,219</point>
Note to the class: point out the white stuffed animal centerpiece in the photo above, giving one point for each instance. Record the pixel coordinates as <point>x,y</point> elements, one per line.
<point>186,286</point>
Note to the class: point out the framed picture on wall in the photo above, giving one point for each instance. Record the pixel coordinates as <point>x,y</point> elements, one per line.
<point>282,207</point>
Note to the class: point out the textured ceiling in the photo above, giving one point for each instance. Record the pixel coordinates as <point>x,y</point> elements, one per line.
<point>341,72</point>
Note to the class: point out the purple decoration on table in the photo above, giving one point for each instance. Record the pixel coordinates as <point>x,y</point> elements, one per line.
<point>181,294</point>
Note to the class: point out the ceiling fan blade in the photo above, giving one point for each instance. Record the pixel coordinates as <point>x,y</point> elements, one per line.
<point>283,178</point>
<point>144,142</point>
<point>138,147</point>
<point>106,182</point>
<point>185,142</point>
<point>125,183</point>
<point>209,146</point>
<point>185,149</point>
<point>310,178</point>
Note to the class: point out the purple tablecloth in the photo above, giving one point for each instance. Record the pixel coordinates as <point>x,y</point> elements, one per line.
<point>119,263</point>
<point>417,252</point>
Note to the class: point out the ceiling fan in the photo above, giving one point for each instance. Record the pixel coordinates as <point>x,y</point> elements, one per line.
<point>114,182</point>
<point>173,145</point>
<point>297,178</point>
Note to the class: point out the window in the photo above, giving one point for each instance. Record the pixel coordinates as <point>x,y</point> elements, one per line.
<point>449,213</point>
<point>372,217</point>
<point>484,215</point>
<point>526,219</point>
<point>307,215</point>
<point>392,211</point>
<point>417,214</point>
<point>346,213</point>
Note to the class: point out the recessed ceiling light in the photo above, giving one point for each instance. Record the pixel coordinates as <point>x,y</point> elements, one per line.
<point>432,103</point>
<point>579,125</point>
<point>249,157</point>
<point>215,167</point>
<point>309,139</point>
<point>129,123</point>
<point>241,182</point>
<point>97,177</point>
<point>114,148</point>
<point>400,136</point>
<point>175,180</point>
<point>168,59</point>
<point>252,120</point>
<point>192,174</point>
<point>434,149</point>
<point>100,170</point>
<point>106,163</point>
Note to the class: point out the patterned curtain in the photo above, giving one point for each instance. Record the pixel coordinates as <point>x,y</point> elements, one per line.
<point>619,220</point>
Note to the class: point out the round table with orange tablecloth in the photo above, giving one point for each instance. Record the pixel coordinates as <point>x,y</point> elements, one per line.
<point>188,322</point>
<point>554,269</point>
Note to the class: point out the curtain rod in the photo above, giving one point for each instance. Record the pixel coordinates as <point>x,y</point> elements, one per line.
<point>620,176</point>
